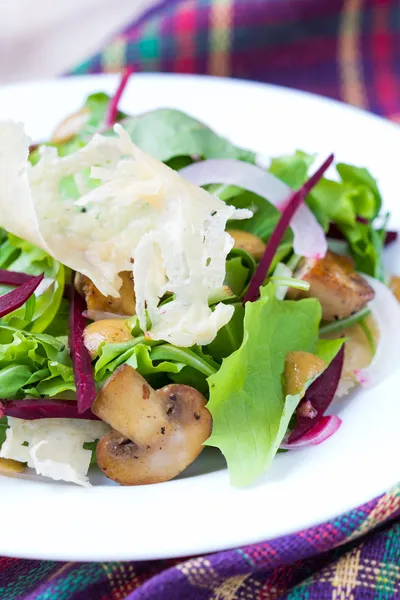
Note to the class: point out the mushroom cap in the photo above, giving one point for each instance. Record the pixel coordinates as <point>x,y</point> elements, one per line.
<point>157,434</point>
<point>125,304</point>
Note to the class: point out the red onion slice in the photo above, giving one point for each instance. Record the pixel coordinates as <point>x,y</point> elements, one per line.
<point>323,430</point>
<point>309,238</point>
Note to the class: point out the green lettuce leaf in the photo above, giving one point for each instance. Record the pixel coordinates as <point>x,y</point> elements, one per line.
<point>292,169</point>
<point>247,403</point>
<point>341,202</point>
<point>229,337</point>
<point>157,362</point>
<point>168,133</point>
<point>236,275</point>
<point>96,107</point>
<point>37,314</point>
<point>33,364</point>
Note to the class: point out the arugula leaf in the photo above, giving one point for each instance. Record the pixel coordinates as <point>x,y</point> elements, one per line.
<point>236,275</point>
<point>229,337</point>
<point>247,403</point>
<point>59,325</point>
<point>366,246</point>
<point>168,133</point>
<point>152,358</point>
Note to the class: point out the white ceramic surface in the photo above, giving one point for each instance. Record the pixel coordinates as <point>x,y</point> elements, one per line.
<point>200,512</point>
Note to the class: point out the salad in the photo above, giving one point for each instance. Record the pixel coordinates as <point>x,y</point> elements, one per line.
<point>162,290</point>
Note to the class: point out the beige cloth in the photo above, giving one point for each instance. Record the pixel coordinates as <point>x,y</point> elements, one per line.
<point>44,38</point>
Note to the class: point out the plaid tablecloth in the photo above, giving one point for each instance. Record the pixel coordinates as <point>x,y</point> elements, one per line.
<point>345,49</point>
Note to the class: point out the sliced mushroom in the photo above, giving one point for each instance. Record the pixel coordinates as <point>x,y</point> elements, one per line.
<point>70,126</point>
<point>357,352</point>
<point>8,466</point>
<point>157,434</point>
<point>249,242</point>
<point>395,286</point>
<point>110,331</point>
<point>301,367</point>
<point>95,301</point>
<point>334,282</point>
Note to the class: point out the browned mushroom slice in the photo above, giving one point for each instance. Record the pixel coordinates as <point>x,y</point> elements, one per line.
<point>334,282</point>
<point>70,126</point>
<point>395,286</point>
<point>300,368</point>
<point>157,434</point>
<point>8,466</point>
<point>110,331</point>
<point>249,242</point>
<point>358,353</point>
<point>95,301</point>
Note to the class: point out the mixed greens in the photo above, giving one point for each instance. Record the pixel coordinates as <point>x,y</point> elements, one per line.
<point>266,351</point>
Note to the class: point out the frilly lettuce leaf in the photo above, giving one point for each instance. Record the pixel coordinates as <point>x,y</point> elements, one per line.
<point>33,364</point>
<point>250,412</point>
<point>342,202</point>
<point>293,168</point>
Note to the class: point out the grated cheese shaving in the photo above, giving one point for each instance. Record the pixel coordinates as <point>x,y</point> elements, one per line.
<point>53,447</point>
<point>127,206</point>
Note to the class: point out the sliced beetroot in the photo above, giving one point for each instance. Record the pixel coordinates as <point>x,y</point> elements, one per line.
<point>391,236</point>
<point>319,396</point>
<point>81,361</point>
<point>288,211</point>
<point>114,102</point>
<point>16,298</point>
<point>17,279</point>
<point>43,409</point>
<point>13,278</point>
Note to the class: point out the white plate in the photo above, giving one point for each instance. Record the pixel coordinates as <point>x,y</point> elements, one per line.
<point>201,512</point>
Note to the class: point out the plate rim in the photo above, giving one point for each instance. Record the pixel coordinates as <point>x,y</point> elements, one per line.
<point>53,489</point>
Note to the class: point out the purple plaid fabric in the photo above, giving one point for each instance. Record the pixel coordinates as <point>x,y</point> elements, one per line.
<point>326,562</point>
<point>345,49</point>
